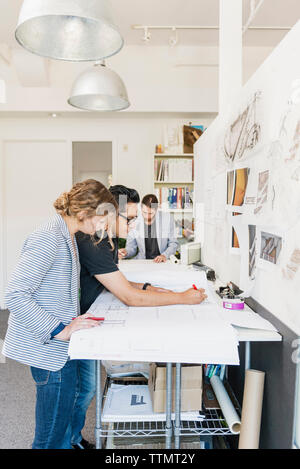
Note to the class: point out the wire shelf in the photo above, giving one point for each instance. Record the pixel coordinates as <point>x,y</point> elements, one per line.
<point>213,424</point>
<point>133,429</point>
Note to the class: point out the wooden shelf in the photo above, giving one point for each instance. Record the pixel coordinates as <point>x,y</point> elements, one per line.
<point>171,155</point>
<point>173,182</point>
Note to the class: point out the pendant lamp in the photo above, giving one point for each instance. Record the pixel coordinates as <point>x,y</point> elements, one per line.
<point>99,89</point>
<point>75,30</point>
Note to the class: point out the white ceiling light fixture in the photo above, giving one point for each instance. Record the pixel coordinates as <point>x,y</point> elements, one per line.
<point>75,30</point>
<point>99,89</point>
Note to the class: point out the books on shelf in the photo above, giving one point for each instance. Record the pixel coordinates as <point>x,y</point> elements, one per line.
<point>174,170</point>
<point>175,197</point>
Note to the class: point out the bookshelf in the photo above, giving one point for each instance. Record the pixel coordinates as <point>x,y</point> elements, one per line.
<point>174,171</point>
<point>173,184</point>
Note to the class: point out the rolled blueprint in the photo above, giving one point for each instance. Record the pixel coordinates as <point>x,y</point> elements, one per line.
<point>252,409</point>
<point>229,412</point>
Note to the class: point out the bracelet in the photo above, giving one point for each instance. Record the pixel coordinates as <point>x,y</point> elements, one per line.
<point>146,285</point>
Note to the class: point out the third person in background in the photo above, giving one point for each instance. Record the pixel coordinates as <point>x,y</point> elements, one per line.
<point>154,234</point>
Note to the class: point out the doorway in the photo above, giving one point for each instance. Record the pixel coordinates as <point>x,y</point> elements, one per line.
<point>92,160</point>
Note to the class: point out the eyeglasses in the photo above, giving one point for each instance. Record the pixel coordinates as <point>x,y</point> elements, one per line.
<point>128,220</point>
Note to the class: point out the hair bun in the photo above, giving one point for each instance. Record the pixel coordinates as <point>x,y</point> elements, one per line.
<point>62,204</point>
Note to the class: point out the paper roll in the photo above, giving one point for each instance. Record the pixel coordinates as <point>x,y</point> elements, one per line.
<point>252,409</point>
<point>229,412</point>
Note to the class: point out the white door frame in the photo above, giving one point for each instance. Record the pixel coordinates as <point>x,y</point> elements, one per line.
<point>114,150</point>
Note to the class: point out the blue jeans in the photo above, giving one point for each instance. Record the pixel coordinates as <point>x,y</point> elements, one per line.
<point>86,389</point>
<point>55,399</point>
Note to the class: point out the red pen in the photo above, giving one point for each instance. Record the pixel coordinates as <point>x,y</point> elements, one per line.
<point>94,319</point>
<point>194,287</point>
<point>106,321</point>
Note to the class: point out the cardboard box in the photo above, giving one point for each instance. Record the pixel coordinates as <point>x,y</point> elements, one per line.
<point>191,387</point>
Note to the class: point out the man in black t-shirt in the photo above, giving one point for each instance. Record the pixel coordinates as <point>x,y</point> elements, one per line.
<point>99,271</point>
<point>96,258</point>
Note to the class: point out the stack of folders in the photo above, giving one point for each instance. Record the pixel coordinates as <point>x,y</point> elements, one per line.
<point>175,197</point>
<point>214,370</point>
<point>173,170</point>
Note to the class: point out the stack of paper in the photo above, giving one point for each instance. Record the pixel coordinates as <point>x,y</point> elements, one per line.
<point>132,403</point>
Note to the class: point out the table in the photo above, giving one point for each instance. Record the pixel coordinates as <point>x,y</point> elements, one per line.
<point>244,335</point>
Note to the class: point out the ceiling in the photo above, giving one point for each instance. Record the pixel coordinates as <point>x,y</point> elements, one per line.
<point>273,13</point>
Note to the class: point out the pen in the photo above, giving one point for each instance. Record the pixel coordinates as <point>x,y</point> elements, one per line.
<point>106,321</point>
<point>94,319</point>
<point>194,287</point>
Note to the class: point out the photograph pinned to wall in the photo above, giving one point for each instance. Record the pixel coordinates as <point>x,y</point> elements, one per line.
<point>237,182</point>
<point>234,244</point>
<point>230,186</point>
<point>270,248</point>
<point>244,133</point>
<point>252,251</point>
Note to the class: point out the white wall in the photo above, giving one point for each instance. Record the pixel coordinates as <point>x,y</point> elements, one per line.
<point>133,145</point>
<point>275,79</point>
<point>158,79</point>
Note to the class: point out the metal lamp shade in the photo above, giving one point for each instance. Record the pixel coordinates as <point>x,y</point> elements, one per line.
<point>99,89</point>
<point>76,30</point>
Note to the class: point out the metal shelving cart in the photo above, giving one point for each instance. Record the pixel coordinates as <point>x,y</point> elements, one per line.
<point>213,424</point>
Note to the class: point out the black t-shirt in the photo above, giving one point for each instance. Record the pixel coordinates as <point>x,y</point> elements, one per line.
<point>151,244</point>
<point>95,259</point>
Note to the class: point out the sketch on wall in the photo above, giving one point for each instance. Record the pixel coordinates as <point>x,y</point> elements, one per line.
<point>244,133</point>
<point>284,158</point>
<point>262,191</point>
<point>263,135</point>
<point>292,266</point>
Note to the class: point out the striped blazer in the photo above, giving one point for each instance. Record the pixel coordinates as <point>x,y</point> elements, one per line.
<point>42,293</point>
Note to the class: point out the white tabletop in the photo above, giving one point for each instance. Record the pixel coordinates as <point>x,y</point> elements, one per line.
<point>244,334</point>
<point>179,333</point>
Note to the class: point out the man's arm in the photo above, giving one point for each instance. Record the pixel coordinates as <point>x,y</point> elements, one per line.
<point>117,284</point>
<point>172,240</point>
<point>131,244</point>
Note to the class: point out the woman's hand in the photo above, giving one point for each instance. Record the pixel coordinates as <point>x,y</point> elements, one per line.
<point>160,259</point>
<point>81,322</point>
<point>122,253</point>
<point>193,297</point>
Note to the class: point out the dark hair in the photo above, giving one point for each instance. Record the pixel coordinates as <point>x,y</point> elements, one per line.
<point>123,196</point>
<point>150,200</point>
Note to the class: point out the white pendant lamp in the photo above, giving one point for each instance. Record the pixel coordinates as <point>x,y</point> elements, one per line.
<point>76,30</point>
<point>99,89</point>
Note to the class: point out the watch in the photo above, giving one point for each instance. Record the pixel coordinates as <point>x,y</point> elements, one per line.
<point>146,285</point>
